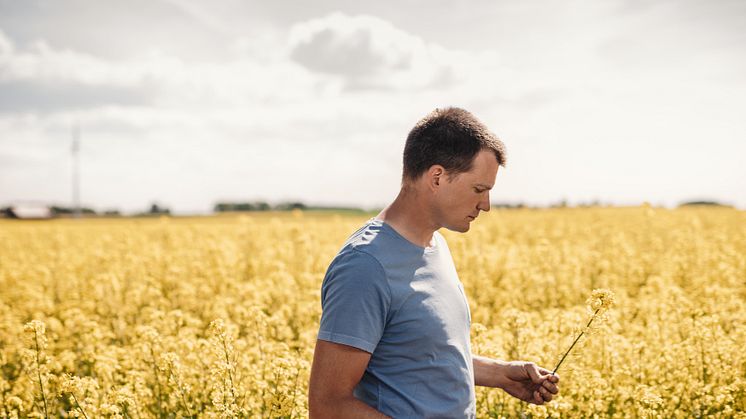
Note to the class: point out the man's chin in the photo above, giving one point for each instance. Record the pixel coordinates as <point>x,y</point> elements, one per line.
<point>459,229</point>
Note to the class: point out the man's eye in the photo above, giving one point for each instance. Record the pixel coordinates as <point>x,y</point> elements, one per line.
<point>477,190</point>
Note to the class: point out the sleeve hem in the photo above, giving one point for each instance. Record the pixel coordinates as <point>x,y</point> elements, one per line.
<point>347,340</point>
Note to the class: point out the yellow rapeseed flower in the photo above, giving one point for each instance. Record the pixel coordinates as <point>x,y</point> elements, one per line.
<point>601,299</point>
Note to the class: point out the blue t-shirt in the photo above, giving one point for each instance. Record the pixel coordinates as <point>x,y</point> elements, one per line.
<point>405,305</point>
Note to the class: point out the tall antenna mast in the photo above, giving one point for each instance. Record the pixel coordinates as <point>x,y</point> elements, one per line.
<point>76,170</point>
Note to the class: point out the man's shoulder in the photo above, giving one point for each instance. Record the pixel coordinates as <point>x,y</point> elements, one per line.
<point>370,249</point>
<point>355,269</point>
<point>370,239</point>
<point>354,261</point>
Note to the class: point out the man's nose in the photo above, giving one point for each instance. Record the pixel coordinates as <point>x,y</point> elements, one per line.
<point>484,204</point>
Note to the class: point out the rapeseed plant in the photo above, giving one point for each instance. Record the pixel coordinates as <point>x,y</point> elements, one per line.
<point>598,303</point>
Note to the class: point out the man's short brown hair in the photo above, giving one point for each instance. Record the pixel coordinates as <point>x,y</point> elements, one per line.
<point>450,137</point>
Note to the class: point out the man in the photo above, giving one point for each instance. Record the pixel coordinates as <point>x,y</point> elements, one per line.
<point>394,334</point>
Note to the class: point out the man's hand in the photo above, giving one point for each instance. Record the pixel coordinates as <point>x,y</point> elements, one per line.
<point>527,381</point>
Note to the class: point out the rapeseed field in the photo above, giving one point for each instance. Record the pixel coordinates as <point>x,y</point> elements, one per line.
<point>217,316</point>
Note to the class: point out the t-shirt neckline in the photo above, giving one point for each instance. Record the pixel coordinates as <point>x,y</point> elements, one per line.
<point>388,227</point>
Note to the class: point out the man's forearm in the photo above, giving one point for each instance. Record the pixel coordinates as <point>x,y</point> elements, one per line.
<point>344,408</point>
<point>487,371</point>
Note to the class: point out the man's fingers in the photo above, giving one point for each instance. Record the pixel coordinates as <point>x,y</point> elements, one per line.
<point>550,386</point>
<point>533,372</point>
<point>549,376</point>
<point>552,377</point>
<point>537,398</point>
<point>546,381</point>
<point>545,394</point>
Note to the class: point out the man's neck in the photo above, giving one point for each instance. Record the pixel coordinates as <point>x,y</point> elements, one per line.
<point>411,218</point>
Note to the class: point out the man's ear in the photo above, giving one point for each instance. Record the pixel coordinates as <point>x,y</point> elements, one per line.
<point>435,175</point>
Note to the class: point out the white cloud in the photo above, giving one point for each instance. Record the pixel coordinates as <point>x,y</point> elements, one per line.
<point>369,53</point>
<point>41,62</point>
<point>43,73</point>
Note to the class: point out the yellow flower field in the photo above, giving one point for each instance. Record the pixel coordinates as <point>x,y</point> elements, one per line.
<point>217,316</point>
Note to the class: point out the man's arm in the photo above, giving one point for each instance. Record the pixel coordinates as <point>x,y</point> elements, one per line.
<point>335,372</point>
<point>523,380</point>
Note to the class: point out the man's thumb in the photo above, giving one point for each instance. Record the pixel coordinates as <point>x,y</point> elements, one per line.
<point>533,373</point>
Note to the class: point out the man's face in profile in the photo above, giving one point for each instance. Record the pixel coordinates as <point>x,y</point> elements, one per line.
<point>460,200</point>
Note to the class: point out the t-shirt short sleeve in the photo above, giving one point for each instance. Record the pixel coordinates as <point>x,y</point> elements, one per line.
<point>355,300</point>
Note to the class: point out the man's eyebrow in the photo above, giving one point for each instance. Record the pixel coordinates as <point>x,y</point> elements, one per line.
<point>484,186</point>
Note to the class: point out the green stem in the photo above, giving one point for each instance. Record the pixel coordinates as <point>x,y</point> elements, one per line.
<point>38,374</point>
<point>79,406</point>
<point>157,381</point>
<point>181,392</point>
<point>5,406</point>
<point>576,341</point>
<point>295,387</point>
<point>229,365</point>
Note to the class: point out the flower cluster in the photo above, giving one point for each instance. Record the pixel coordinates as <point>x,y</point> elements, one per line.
<point>600,300</point>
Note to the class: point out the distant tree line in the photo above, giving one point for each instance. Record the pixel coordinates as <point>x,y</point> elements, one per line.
<point>67,210</point>
<point>155,209</point>
<point>285,206</point>
<point>241,206</point>
<point>61,211</point>
<point>705,203</point>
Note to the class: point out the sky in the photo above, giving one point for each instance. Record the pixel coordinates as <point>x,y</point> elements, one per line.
<point>188,103</point>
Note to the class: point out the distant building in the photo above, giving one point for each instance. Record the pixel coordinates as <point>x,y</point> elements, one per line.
<point>29,212</point>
